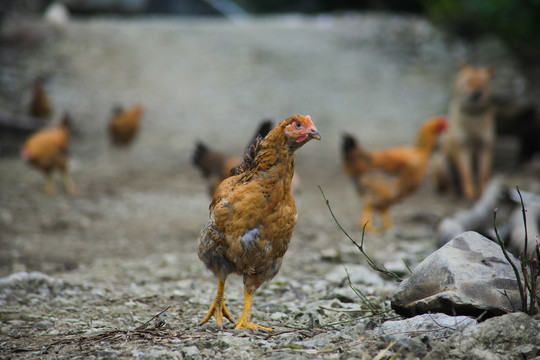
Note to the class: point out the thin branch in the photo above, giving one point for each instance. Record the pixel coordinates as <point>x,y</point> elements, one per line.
<point>516,272</point>
<point>407,265</point>
<point>360,247</point>
<point>143,326</point>
<point>528,264</point>
<point>343,310</point>
<point>505,294</point>
<point>524,212</point>
<point>383,352</point>
<point>359,318</point>
<point>364,298</point>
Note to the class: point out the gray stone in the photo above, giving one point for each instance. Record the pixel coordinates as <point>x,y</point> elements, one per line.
<point>512,336</point>
<point>191,352</point>
<point>317,341</point>
<point>45,324</point>
<point>434,325</point>
<point>467,276</point>
<point>414,347</point>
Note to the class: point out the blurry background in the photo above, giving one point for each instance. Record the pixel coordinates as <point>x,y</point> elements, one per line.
<point>211,70</point>
<point>516,23</point>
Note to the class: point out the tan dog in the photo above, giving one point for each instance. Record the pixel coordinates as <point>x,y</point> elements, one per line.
<point>466,152</point>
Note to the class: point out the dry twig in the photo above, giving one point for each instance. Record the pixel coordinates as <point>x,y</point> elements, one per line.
<point>360,246</point>
<point>530,269</point>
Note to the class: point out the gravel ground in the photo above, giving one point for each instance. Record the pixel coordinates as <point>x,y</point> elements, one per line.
<point>87,276</point>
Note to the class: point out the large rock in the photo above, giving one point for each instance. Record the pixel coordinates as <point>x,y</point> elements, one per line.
<point>415,335</point>
<point>467,276</point>
<point>513,336</point>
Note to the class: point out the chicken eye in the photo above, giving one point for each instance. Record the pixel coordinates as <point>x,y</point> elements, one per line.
<point>298,125</point>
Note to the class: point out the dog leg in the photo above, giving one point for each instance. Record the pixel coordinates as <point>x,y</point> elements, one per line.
<point>484,168</point>
<point>464,169</point>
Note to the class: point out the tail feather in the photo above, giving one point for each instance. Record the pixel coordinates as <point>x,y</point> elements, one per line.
<point>264,128</point>
<point>253,148</point>
<point>349,143</point>
<point>249,157</point>
<point>66,121</point>
<point>356,160</point>
<point>200,152</point>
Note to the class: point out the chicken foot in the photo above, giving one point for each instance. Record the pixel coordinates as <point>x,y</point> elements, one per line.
<point>366,221</point>
<point>218,308</point>
<point>244,321</point>
<point>69,185</point>
<point>49,184</point>
<point>386,219</point>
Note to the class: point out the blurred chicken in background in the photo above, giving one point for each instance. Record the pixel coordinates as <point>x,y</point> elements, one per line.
<point>124,125</point>
<point>216,166</point>
<point>47,151</point>
<point>384,177</point>
<point>40,104</point>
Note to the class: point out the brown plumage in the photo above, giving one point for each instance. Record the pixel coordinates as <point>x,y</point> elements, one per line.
<point>40,105</point>
<point>47,151</point>
<point>384,177</point>
<point>217,166</point>
<point>124,125</point>
<point>252,217</point>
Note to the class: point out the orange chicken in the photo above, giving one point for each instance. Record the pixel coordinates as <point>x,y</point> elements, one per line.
<point>216,166</point>
<point>252,217</point>
<point>47,150</point>
<point>384,177</point>
<point>40,105</point>
<point>124,125</point>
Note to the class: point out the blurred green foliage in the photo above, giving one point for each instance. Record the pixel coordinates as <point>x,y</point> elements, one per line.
<point>517,22</point>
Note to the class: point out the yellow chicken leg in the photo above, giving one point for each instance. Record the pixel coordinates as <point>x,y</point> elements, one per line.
<point>69,185</point>
<point>244,321</point>
<point>49,184</point>
<point>366,222</point>
<point>386,220</point>
<point>218,308</point>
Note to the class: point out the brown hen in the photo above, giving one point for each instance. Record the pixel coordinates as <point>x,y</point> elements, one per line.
<point>47,150</point>
<point>40,104</point>
<point>384,177</point>
<point>124,125</point>
<point>216,166</point>
<point>252,217</point>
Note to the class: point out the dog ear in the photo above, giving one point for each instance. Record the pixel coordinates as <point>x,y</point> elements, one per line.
<point>462,64</point>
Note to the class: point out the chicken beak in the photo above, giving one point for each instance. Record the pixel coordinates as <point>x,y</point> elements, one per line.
<point>314,134</point>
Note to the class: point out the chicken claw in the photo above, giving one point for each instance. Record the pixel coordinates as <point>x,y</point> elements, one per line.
<point>49,185</point>
<point>218,308</point>
<point>244,321</point>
